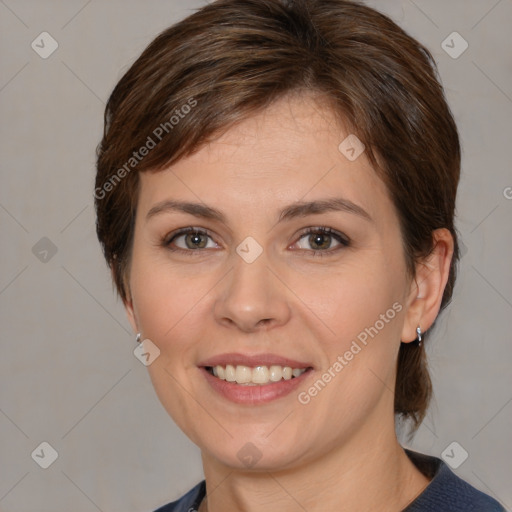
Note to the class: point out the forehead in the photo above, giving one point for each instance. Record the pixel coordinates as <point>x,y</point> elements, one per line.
<point>288,152</point>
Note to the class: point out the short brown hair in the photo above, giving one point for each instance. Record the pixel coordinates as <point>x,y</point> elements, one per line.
<point>233,58</point>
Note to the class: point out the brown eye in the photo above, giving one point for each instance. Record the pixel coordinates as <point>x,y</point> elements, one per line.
<point>322,240</point>
<point>195,240</point>
<point>188,239</point>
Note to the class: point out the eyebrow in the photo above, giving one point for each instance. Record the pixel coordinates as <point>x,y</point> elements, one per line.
<point>295,210</point>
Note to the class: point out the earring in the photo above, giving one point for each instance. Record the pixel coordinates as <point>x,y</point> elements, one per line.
<point>419,338</point>
<point>137,338</point>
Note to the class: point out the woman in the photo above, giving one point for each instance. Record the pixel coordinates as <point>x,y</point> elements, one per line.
<point>275,198</point>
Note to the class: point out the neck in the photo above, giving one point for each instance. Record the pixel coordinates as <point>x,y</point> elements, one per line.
<point>370,472</point>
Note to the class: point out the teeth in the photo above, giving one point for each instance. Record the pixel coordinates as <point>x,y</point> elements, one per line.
<point>260,375</point>
<point>230,373</point>
<point>276,373</point>
<point>287,373</point>
<point>221,372</point>
<point>245,375</point>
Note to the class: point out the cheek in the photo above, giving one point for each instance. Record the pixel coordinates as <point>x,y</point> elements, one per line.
<point>351,299</point>
<point>358,316</point>
<point>360,313</point>
<point>165,296</point>
<point>170,311</point>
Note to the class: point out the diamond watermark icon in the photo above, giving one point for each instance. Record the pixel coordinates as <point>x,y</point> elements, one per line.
<point>44,250</point>
<point>249,455</point>
<point>249,250</point>
<point>45,455</point>
<point>351,147</point>
<point>146,352</point>
<point>454,45</point>
<point>44,45</point>
<point>454,455</point>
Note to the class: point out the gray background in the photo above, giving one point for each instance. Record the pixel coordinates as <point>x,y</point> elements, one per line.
<point>68,375</point>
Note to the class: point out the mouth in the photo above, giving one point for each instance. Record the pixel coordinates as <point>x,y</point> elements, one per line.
<point>260,375</point>
<point>254,379</point>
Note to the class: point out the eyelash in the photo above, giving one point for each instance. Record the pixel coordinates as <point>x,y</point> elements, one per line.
<point>319,230</point>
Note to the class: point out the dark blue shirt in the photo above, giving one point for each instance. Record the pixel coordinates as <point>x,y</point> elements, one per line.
<point>445,493</point>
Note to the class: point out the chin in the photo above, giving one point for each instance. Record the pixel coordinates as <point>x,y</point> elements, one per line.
<point>246,452</point>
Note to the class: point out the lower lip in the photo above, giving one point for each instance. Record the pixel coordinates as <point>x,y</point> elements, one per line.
<point>254,395</point>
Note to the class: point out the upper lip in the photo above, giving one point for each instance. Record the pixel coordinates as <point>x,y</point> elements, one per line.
<point>266,359</point>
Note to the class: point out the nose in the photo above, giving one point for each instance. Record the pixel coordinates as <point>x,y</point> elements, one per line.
<point>253,297</point>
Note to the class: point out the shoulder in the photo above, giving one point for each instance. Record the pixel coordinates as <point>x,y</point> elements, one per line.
<point>188,502</point>
<point>447,492</point>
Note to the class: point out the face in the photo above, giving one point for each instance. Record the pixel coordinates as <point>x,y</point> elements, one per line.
<point>262,281</point>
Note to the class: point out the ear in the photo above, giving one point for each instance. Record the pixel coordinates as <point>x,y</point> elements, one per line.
<point>128,305</point>
<point>426,290</point>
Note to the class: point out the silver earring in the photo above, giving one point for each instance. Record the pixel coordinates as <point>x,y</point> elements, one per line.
<point>137,339</point>
<point>418,332</point>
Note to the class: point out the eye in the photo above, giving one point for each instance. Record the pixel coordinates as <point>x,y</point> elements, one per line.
<point>321,239</point>
<point>192,239</point>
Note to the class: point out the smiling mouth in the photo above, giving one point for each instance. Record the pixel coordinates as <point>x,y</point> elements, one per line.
<point>255,376</point>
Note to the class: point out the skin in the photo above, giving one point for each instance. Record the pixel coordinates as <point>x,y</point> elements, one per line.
<point>287,302</point>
